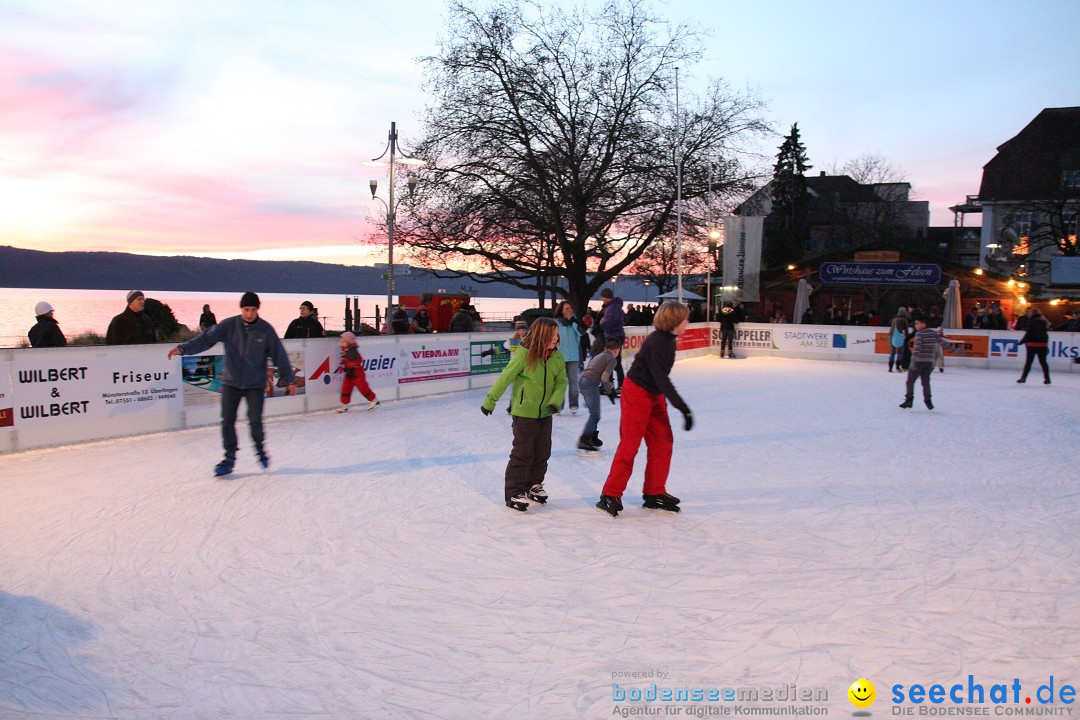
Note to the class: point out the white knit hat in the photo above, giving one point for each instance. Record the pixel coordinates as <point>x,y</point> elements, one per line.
<point>43,308</point>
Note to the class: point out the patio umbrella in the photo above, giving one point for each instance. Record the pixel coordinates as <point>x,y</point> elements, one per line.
<point>674,295</point>
<point>802,300</point>
<point>952,317</point>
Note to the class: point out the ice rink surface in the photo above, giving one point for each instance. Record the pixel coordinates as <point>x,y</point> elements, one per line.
<point>826,535</point>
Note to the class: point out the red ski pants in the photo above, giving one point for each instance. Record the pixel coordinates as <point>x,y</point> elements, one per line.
<point>359,382</point>
<point>644,417</point>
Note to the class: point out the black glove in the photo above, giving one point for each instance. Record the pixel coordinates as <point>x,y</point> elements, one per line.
<point>485,410</point>
<point>554,410</point>
<point>688,420</point>
<point>487,353</point>
<point>612,396</point>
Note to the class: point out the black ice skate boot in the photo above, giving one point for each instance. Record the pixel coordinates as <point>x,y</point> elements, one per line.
<point>596,440</point>
<point>610,505</point>
<point>518,502</point>
<point>538,494</point>
<point>908,402</point>
<point>224,467</point>
<point>663,501</point>
<point>585,446</point>
<point>264,459</point>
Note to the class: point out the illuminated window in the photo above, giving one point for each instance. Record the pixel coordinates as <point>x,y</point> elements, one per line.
<point>1070,178</point>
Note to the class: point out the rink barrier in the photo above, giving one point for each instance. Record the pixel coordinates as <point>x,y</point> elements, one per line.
<point>62,396</point>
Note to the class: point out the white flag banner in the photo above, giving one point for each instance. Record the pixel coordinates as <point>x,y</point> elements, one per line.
<point>742,258</point>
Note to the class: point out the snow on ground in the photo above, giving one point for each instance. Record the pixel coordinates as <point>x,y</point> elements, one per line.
<point>374,573</point>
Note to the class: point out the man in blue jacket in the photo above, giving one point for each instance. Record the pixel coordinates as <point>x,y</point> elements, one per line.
<point>612,323</point>
<point>249,341</point>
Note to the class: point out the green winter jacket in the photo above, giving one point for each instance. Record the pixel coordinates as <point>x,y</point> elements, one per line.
<point>534,389</point>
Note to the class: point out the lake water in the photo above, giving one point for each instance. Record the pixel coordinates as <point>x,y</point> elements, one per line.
<point>79,311</point>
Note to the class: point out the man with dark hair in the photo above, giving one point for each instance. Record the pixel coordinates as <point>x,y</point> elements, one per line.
<point>305,326</point>
<point>133,326</point>
<point>249,341</point>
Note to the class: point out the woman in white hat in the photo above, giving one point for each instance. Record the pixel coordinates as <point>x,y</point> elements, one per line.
<point>46,333</point>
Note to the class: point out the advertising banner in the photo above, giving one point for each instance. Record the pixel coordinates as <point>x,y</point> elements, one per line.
<point>693,339</point>
<point>742,258</point>
<point>431,361</point>
<point>58,386</point>
<point>973,345</point>
<point>635,335</point>
<point>202,377</point>
<point>488,356</point>
<point>7,398</point>
<point>883,273</point>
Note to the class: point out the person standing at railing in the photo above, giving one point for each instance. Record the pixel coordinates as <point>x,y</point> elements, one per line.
<point>46,332</point>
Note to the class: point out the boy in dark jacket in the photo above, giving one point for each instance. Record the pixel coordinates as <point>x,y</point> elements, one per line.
<point>249,341</point>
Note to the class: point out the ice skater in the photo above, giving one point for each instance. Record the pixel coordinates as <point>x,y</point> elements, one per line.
<point>249,341</point>
<point>353,363</point>
<point>645,395</point>
<point>927,341</point>
<point>596,379</point>
<point>1036,341</point>
<point>538,373</point>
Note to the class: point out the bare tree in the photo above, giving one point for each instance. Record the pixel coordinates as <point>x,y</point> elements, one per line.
<point>882,213</point>
<point>552,140</point>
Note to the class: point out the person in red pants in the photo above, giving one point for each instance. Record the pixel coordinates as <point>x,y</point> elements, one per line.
<point>645,396</point>
<point>353,363</point>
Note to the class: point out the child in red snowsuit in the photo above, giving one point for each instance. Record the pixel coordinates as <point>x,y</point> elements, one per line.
<point>353,364</point>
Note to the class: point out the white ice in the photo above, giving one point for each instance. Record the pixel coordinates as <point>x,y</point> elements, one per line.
<point>826,535</point>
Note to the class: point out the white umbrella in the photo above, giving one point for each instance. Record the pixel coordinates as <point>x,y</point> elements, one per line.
<point>674,295</point>
<point>802,300</point>
<point>952,318</point>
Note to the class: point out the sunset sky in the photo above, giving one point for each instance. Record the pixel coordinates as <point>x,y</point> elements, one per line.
<point>235,128</point>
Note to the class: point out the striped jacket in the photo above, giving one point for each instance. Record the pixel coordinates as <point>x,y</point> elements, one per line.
<point>927,342</point>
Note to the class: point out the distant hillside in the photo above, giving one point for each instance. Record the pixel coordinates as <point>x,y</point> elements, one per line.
<point>122,271</point>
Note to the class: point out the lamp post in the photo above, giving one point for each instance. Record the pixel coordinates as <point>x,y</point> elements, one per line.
<point>391,207</point>
<point>646,282</point>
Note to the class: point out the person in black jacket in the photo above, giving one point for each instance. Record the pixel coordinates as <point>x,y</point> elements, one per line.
<point>645,396</point>
<point>399,320</point>
<point>207,320</point>
<point>729,317</point>
<point>133,326</point>
<point>305,326</point>
<point>46,333</point>
<point>1037,340</point>
<point>462,320</point>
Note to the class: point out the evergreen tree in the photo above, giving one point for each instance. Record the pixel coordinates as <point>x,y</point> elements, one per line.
<point>789,223</point>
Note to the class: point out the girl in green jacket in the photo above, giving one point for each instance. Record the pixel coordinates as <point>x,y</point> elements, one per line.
<point>538,374</point>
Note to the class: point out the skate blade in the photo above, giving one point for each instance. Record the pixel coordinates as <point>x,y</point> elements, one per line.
<point>588,453</point>
<point>674,508</point>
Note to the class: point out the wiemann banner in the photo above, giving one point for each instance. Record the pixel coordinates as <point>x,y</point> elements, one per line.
<point>742,258</point>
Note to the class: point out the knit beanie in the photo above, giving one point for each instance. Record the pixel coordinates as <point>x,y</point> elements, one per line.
<point>249,299</point>
<point>134,294</point>
<point>349,337</point>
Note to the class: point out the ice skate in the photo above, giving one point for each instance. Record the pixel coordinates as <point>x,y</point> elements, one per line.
<point>573,411</point>
<point>223,468</point>
<point>518,502</point>
<point>586,448</point>
<point>663,501</point>
<point>264,460</point>
<point>372,404</point>
<point>929,405</point>
<point>538,494</point>
<point>343,409</point>
<point>596,440</point>
<point>906,404</point>
<point>610,505</point>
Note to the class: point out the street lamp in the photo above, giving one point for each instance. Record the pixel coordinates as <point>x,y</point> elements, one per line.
<point>646,282</point>
<point>391,207</point>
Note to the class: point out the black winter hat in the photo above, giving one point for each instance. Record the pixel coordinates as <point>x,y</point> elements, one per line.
<point>249,299</point>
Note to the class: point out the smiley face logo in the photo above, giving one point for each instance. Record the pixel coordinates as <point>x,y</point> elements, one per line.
<point>862,693</point>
